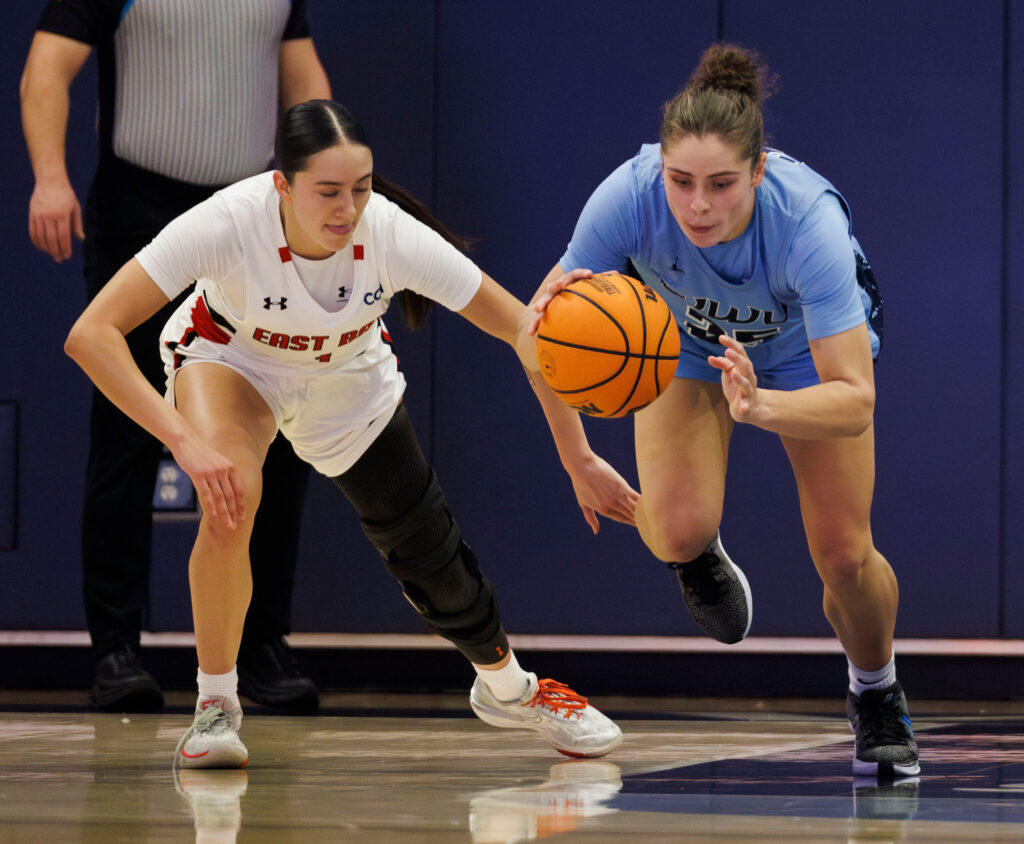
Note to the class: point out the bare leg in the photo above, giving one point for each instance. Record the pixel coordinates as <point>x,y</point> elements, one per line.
<point>231,416</point>
<point>835,480</point>
<point>682,445</point>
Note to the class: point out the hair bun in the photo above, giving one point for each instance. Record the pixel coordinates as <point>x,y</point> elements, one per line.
<point>730,67</point>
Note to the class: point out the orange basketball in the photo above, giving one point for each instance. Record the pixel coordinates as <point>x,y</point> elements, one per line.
<point>608,345</point>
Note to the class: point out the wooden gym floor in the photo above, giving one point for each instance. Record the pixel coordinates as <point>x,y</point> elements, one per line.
<point>420,768</point>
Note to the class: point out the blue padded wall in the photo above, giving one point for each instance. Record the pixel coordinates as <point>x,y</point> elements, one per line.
<point>8,476</point>
<point>538,102</point>
<point>43,300</point>
<point>505,117</point>
<point>1006,360</point>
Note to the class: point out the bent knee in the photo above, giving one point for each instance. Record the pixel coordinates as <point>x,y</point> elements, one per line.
<point>250,483</point>
<point>680,539</point>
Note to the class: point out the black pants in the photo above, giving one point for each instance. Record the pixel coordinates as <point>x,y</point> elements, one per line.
<point>125,209</point>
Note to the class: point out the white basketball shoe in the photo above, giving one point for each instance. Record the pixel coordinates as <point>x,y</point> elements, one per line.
<point>212,741</point>
<point>564,718</point>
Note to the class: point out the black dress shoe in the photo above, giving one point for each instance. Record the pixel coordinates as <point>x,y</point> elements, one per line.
<point>123,685</point>
<point>268,675</point>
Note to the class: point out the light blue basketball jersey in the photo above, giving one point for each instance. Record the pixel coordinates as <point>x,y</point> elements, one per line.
<point>790,277</point>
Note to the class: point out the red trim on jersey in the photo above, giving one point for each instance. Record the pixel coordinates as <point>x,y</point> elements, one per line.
<point>285,253</point>
<point>387,339</point>
<point>357,252</point>
<point>186,340</point>
<point>204,325</point>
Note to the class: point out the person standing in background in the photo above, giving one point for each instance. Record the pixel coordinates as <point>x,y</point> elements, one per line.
<point>189,93</point>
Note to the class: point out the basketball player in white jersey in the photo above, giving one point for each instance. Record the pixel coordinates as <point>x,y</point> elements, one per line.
<point>283,333</point>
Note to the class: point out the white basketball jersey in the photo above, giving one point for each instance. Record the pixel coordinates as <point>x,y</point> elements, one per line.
<point>250,298</point>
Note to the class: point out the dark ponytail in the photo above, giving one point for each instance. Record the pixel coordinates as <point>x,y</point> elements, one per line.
<point>723,97</point>
<point>415,307</point>
<point>311,127</point>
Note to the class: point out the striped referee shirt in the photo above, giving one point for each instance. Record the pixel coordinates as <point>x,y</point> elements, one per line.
<point>187,88</point>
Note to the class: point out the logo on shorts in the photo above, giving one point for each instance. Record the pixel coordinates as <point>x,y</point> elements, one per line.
<point>269,303</point>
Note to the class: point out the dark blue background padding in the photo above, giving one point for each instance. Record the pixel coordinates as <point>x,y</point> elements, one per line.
<point>1007,359</point>
<point>506,116</point>
<point>539,101</point>
<point>8,476</point>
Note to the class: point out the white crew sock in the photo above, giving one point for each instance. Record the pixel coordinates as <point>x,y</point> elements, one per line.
<point>506,684</point>
<point>861,681</point>
<point>219,686</point>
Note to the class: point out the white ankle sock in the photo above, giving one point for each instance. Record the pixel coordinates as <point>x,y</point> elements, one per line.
<point>219,686</point>
<point>506,684</point>
<point>861,681</point>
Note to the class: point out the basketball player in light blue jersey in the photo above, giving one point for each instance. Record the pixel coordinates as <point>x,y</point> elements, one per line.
<point>780,322</point>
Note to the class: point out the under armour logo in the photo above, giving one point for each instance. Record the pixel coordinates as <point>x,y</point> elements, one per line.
<point>280,303</point>
<point>343,293</point>
<point>679,270</point>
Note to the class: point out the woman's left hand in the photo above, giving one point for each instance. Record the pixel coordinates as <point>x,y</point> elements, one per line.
<point>739,383</point>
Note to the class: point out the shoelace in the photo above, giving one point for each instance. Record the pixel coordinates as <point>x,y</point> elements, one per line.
<point>557,697</point>
<point>209,719</point>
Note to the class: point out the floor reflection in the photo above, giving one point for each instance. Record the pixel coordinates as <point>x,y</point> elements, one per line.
<point>215,800</point>
<point>573,792</point>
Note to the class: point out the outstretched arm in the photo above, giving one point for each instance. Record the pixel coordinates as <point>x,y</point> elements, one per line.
<point>598,487</point>
<point>97,344</point>
<point>54,214</point>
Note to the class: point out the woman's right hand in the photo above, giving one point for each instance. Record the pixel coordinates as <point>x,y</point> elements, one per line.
<point>215,479</point>
<point>548,291</point>
<point>601,490</point>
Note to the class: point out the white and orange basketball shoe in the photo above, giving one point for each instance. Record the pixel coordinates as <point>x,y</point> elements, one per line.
<point>564,718</point>
<point>212,741</point>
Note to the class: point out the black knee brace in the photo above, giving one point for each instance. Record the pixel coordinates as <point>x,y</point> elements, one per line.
<point>444,583</point>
